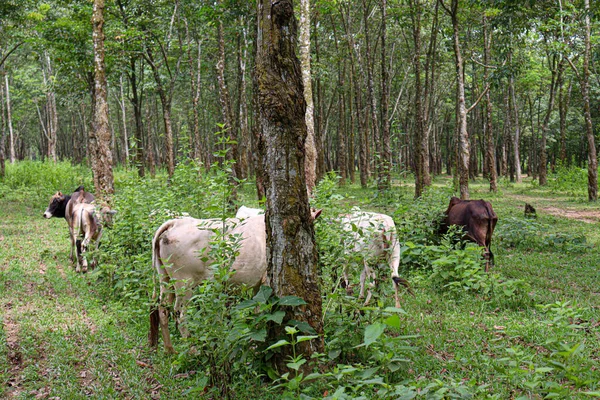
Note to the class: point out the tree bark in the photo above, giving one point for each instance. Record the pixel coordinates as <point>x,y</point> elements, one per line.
<point>462,132</point>
<point>225,101</point>
<point>311,150</point>
<point>51,111</point>
<point>291,251</point>
<point>385,180</point>
<point>557,68</point>
<point>100,133</point>
<point>517,136</point>
<point>585,91</point>
<point>490,151</point>
<point>244,139</point>
<point>371,95</point>
<point>11,136</point>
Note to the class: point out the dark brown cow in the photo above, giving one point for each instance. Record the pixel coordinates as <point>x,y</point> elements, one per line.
<point>61,206</point>
<point>478,219</point>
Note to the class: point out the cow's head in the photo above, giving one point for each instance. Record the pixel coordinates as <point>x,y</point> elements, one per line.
<point>57,206</point>
<point>106,216</point>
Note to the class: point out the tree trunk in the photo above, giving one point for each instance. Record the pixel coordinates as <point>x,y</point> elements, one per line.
<point>585,91</point>
<point>124,118</point>
<point>372,102</point>
<point>244,139</point>
<point>291,251</point>
<point>385,181</point>
<point>11,136</point>
<point>224,99</point>
<point>490,151</point>
<point>311,150</point>
<point>564,98</point>
<point>462,132</point>
<point>557,70</point>
<point>100,133</point>
<point>422,145</point>
<point>51,111</point>
<point>195,89</point>
<point>517,136</point>
<point>2,133</point>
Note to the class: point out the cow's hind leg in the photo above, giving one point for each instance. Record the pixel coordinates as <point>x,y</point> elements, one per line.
<point>166,299</point>
<point>181,300</point>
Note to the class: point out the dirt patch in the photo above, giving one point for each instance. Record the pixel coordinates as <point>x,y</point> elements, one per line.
<point>589,216</point>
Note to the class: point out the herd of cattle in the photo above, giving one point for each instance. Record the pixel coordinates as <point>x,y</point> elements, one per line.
<point>180,247</point>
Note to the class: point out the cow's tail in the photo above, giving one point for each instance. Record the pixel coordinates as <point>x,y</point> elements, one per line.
<point>157,266</point>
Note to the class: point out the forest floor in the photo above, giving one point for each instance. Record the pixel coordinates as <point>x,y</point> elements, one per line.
<point>62,337</point>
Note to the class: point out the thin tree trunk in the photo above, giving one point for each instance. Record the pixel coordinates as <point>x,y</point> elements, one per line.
<point>51,113</point>
<point>310,148</point>
<point>564,98</point>
<point>585,91</point>
<point>462,132</point>
<point>124,118</point>
<point>224,99</point>
<point>372,102</point>
<point>11,136</point>
<point>291,251</point>
<point>2,133</point>
<point>517,136</point>
<point>100,133</point>
<point>557,70</point>
<point>242,104</point>
<point>490,151</point>
<point>385,181</point>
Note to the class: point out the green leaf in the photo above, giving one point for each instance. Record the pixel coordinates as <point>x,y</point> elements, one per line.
<point>300,339</point>
<point>393,321</point>
<point>278,344</point>
<point>372,333</point>
<point>296,365</point>
<point>277,317</point>
<point>291,301</point>
<point>246,304</point>
<point>263,294</point>
<point>259,336</point>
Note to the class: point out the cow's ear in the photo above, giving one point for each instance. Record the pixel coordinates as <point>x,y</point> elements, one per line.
<point>59,193</point>
<point>315,213</point>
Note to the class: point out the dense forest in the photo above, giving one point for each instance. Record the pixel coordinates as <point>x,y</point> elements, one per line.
<point>315,112</point>
<point>492,88</point>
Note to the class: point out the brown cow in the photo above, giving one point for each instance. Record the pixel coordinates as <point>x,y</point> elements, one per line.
<point>61,206</point>
<point>478,219</point>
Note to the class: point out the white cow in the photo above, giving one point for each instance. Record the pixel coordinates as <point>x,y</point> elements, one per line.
<point>175,256</point>
<point>86,225</point>
<point>245,212</point>
<point>374,237</point>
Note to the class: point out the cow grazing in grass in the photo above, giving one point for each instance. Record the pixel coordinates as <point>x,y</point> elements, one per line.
<point>477,219</point>
<point>61,206</point>
<point>246,212</point>
<point>87,222</point>
<point>180,256</point>
<point>374,237</point>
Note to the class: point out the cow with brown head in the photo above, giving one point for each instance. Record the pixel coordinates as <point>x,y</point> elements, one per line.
<point>61,206</point>
<point>477,219</point>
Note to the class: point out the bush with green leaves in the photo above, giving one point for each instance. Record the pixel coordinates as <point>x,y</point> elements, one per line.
<point>41,179</point>
<point>569,180</point>
<point>532,234</point>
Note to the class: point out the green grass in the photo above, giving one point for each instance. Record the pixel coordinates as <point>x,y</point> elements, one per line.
<point>68,335</point>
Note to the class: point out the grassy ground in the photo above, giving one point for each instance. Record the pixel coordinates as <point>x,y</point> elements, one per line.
<point>63,336</point>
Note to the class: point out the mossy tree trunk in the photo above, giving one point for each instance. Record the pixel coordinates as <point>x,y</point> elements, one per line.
<point>291,252</point>
<point>100,133</point>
